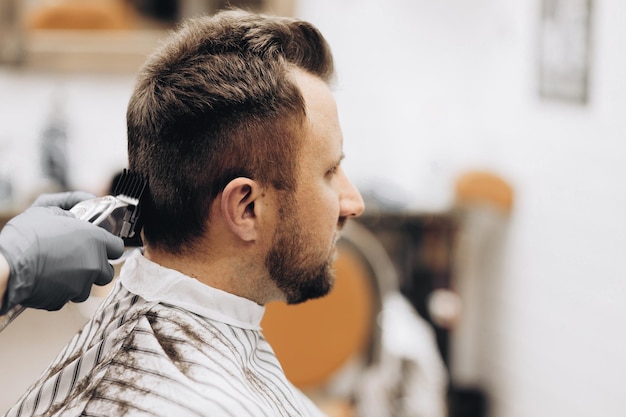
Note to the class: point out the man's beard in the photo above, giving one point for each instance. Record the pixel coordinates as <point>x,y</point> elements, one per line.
<point>295,273</point>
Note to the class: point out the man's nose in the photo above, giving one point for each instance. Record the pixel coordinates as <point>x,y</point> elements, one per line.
<point>352,204</point>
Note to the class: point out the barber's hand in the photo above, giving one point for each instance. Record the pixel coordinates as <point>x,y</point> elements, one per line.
<point>55,257</point>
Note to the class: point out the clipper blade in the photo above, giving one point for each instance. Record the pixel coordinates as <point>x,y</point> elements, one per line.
<point>118,213</point>
<point>130,188</point>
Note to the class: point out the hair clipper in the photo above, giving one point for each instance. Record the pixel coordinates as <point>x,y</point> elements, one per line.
<point>117,213</point>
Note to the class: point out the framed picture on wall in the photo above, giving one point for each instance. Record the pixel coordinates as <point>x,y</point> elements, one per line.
<point>564,50</point>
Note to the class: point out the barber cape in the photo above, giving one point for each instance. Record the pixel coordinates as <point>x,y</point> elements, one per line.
<point>164,344</point>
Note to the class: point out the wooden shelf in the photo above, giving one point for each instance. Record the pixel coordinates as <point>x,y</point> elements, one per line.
<point>89,50</point>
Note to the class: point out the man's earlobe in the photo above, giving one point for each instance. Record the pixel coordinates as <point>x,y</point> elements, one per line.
<point>239,208</point>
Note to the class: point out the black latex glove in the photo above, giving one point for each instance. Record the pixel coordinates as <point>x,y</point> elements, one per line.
<point>55,257</point>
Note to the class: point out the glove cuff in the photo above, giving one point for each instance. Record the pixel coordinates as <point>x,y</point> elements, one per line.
<point>6,304</point>
<point>17,288</point>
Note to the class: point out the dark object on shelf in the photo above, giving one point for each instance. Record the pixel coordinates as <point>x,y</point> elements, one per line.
<point>164,10</point>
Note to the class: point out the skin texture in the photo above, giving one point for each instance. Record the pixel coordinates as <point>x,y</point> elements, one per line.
<point>266,245</point>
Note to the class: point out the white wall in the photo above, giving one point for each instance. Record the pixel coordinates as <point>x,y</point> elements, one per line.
<point>94,109</point>
<point>427,89</point>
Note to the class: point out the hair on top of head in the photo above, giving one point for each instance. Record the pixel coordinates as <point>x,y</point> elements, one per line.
<point>214,102</point>
<point>269,36</point>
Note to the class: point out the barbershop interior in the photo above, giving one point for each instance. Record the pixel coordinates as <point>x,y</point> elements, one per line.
<point>487,138</point>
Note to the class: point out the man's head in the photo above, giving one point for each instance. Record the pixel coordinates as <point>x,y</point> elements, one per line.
<point>235,111</point>
<point>214,103</point>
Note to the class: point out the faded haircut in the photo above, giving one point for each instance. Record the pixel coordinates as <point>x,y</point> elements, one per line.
<point>214,102</point>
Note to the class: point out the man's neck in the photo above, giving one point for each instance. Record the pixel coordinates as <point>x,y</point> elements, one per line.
<point>238,275</point>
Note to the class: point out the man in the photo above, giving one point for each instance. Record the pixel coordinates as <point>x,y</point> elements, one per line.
<point>233,125</point>
<point>48,257</point>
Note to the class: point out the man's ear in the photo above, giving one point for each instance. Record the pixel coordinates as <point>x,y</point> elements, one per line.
<point>238,207</point>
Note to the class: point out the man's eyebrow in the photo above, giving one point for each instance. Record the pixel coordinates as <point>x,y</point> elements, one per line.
<point>337,161</point>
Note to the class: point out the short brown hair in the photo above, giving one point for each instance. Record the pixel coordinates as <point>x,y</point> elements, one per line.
<point>216,102</point>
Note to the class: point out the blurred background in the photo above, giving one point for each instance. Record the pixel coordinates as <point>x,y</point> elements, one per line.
<point>488,137</point>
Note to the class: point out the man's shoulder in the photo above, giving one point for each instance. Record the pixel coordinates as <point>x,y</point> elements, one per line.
<point>138,358</point>
<point>78,369</point>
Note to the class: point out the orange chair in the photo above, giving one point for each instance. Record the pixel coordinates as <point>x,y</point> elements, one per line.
<point>313,339</point>
<point>316,340</point>
<point>483,188</point>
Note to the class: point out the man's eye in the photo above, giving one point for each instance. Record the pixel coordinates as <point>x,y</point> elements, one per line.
<point>333,170</point>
